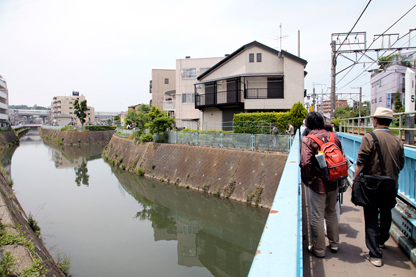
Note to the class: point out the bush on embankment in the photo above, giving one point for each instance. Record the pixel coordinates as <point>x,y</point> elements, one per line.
<point>253,123</point>
<point>100,128</point>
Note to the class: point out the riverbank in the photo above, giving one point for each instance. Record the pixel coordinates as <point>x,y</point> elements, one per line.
<point>70,138</point>
<point>27,253</point>
<point>8,139</point>
<point>242,175</point>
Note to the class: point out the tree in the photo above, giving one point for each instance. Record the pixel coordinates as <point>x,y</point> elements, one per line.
<point>343,112</point>
<point>297,114</point>
<point>81,174</point>
<point>159,121</point>
<point>398,106</point>
<point>386,61</point>
<point>80,109</point>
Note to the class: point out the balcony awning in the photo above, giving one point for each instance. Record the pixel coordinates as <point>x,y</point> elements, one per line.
<point>242,75</point>
<point>170,92</point>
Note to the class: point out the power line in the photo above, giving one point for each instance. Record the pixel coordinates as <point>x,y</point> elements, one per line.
<point>354,24</point>
<point>374,40</point>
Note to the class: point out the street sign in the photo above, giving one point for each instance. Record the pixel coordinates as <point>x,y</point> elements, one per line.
<point>409,94</point>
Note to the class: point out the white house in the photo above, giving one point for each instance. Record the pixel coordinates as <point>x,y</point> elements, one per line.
<point>253,78</point>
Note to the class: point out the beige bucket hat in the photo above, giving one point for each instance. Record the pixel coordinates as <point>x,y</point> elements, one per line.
<point>383,113</point>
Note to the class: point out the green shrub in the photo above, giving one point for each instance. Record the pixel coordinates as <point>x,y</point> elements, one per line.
<point>67,128</point>
<point>140,171</point>
<point>100,128</point>
<point>146,137</point>
<point>33,224</point>
<point>259,122</point>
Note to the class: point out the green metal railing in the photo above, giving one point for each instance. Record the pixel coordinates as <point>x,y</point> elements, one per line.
<point>363,125</point>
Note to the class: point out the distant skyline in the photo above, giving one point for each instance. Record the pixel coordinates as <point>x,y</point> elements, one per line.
<point>107,49</point>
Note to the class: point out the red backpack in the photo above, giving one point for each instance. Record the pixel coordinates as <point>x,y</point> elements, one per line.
<point>337,166</point>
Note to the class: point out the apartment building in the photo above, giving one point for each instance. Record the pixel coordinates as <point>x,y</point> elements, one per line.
<point>386,83</point>
<point>4,102</point>
<point>162,87</point>
<point>253,78</point>
<point>65,105</point>
<point>187,70</point>
<point>325,107</point>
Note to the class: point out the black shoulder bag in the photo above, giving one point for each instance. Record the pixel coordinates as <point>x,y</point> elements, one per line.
<point>376,191</point>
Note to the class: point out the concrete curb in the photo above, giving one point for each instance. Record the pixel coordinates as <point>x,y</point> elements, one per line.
<point>407,245</point>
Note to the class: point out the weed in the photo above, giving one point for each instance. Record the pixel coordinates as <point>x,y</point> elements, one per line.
<point>217,192</point>
<point>33,224</point>
<point>64,263</point>
<point>177,181</point>
<point>7,264</point>
<point>255,196</point>
<point>140,171</point>
<point>187,186</point>
<point>123,167</point>
<point>120,160</point>
<point>229,189</point>
<point>153,166</point>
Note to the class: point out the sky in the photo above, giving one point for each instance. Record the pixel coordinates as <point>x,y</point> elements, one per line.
<point>106,50</point>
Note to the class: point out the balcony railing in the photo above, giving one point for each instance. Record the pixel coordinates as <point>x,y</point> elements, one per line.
<point>169,105</point>
<point>221,98</point>
<point>264,93</point>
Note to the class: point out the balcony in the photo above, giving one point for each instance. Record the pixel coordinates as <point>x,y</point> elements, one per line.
<point>169,105</point>
<point>264,93</point>
<point>218,99</point>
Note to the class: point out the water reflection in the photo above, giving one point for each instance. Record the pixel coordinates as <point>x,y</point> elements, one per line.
<point>76,157</point>
<point>211,232</point>
<point>6,161</point>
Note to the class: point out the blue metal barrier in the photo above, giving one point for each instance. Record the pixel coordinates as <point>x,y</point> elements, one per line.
<point>280,249</point>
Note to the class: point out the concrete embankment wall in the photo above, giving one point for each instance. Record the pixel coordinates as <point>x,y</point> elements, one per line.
<point>14,218</point>
<point>76,137</point>
<point>8,138</point>
<point>242,175</point>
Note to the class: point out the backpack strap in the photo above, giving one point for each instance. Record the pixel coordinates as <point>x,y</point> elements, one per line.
<point>331,137</point>
<point>316,139</point>
<point>380,156</point>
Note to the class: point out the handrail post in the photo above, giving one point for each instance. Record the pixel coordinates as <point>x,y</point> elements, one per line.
<point>253,138</point>
<point>400,126</point>
<point>221,139</point>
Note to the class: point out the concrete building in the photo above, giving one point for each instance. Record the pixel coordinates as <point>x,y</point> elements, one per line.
<point>386,83</point>
<point>4,102</point>
<point>65,105</point>
<point>162,87</point>
<point>187,70</point>
<point>325,107</point>
<point>253,78</point>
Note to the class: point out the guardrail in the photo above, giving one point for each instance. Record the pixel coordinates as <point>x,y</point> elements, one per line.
<point>404,213</point>
<point>280,250</point>
<point>358,124</point>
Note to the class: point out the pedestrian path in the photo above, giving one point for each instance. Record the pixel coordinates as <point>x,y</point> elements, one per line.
<point>349,260</point>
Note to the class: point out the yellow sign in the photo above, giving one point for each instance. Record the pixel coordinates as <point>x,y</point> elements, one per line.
<point>311,109</point>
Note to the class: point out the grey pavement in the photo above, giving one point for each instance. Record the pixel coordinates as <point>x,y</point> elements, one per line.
<point>349,260</point>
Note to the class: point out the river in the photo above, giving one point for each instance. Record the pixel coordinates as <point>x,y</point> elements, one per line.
<point>112,223</point>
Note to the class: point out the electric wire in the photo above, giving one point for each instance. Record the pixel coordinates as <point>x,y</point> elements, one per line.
<point>374,40</point>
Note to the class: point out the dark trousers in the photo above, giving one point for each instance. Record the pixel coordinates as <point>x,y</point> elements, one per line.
<point>376,231</point>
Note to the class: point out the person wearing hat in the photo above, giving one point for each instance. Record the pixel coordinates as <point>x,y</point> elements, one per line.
<point>377,231</point>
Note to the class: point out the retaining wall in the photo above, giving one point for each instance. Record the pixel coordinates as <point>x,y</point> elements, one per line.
<point>242,175</point>
<point>8,138</point>
<point>76,137</point>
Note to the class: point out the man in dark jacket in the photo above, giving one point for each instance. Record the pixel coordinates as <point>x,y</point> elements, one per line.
<point>322,193</point>
<point>377,230</point>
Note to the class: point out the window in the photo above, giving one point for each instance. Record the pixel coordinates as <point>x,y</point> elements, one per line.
<point>259,57</point>
<point>372,101</point>
<point>70,102</point>
<point>251,57</point>
<point>166,80</point>
<point>70,108</point>
<point>188,98</point>
<point>70,112</point>
<point>380,99</point>
<point>188,73</point>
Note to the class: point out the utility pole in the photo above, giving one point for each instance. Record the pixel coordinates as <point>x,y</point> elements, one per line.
<point>333,64</point>
<point>359,107</point>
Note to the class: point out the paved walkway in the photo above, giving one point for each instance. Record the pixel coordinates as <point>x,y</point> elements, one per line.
<point>349,260</point>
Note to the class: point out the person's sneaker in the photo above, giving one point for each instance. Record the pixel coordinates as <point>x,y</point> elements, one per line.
<point>312,251</point>
<point>334,249</point>
<point>373,260</point>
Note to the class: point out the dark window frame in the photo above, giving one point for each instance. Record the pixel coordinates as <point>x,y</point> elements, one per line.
<point>251,58</point>
<point>166,81</point>
<point>258,57</point>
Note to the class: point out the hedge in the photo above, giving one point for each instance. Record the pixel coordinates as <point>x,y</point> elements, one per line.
<point>260,122</point>
<point>100,128</point>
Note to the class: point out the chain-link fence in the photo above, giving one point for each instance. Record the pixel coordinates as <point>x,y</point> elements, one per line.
<point>261,142</point>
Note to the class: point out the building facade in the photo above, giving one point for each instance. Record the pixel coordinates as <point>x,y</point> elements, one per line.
<point>65,105</point>
<point>253,78</point>
<point>386,83</point>
<point>325,107</point>
<point>187,70</point>
<point>162,87</point>
<point>4,102</point>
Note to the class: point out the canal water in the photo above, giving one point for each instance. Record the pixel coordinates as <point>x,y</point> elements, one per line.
<point>112,223</point>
